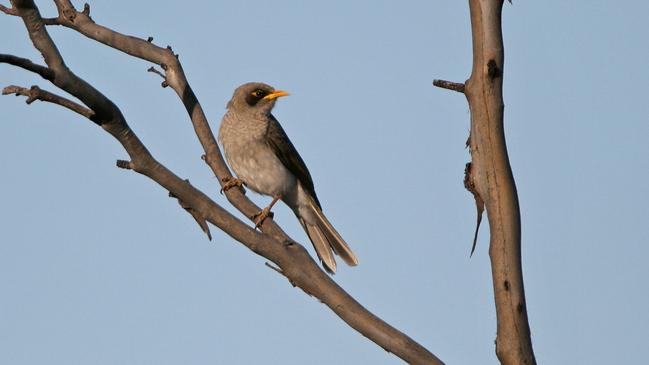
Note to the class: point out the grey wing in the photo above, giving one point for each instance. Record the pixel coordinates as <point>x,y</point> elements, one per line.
<point>278,141</point>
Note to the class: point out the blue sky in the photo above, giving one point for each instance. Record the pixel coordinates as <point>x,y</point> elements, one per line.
<point>98,266</point>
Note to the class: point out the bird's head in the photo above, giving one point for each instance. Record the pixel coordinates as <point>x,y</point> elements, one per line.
<point>255,97</point>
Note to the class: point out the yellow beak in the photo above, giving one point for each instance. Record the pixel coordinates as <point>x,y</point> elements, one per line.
<point>276,94</point>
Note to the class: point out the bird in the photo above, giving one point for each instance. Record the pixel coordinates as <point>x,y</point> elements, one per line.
<point>264,160</point>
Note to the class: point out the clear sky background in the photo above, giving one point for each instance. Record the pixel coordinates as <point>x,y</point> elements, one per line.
<point>99,266</point>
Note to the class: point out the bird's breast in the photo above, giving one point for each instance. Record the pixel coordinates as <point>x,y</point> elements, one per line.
<point>253,161</point>
<point>258,166</point>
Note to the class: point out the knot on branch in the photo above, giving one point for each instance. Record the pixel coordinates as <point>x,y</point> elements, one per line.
<point>492,69</point>
<point>33,94</point>
<point>70,14</point>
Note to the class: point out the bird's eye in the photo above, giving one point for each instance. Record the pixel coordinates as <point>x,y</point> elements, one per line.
<point>258,93</point>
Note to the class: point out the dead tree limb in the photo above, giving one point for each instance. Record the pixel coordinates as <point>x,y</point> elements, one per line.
<point>490,179</point>
<point>272,243</point>
<point>36,93</point>
<point>174,77</point>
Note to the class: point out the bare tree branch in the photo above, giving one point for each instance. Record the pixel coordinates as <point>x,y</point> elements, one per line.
<point>36,93</point>
<point>8,11</point>
<point>175,78</point>
<point>28,65</point>
<point>489,178</point>
<point>291,258</point>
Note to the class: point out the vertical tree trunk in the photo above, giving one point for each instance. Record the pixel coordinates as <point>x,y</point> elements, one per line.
<point>489,178</point>
<point>492,178</point>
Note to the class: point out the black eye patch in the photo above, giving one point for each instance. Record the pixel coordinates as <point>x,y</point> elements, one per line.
<point>253,98</point>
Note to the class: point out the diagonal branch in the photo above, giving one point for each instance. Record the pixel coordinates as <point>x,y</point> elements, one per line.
<point>36,93</point>
<point>175,78</point>
<point>292,259</point>
<point>111,119</point>
<point>28,65</point>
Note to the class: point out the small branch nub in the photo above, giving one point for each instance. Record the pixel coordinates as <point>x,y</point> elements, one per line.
<point>275,268</point>
<point>155,71</point>
<point>455,86</point>
<point>159,73</point>
<point>122,164</point>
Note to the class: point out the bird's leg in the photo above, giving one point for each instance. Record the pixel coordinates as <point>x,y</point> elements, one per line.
<point>261,216</point>
<point>230,182</point>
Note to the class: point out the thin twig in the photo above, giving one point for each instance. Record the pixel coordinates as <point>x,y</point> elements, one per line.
<point>155,71</point>
<point>275,268</point>
<point>455,86</point>
<point>198,217</point>
<point>8,11</point>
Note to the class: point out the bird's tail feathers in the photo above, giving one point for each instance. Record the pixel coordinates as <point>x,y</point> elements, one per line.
<point>326,239</point>
<point>321,245</point>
